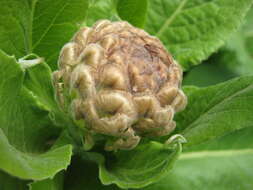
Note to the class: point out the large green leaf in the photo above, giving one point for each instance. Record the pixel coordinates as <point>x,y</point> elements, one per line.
<point>139,167</point>
<point>136,168</point>
<point>39,26</point>
<point>25,129</point>
<point>133,11</point>
<point>54,23</point>
<point>8,182</point>
<point>217,110</point>
<point>193,29</point>
<point>219,170</point>
<point>238,140</point>
<point>15,30</point>
<point>26,166</point>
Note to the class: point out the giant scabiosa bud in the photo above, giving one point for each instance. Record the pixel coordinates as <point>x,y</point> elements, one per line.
<point>121,81</point>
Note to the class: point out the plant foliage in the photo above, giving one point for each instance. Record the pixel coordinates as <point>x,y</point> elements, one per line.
<point>42,148</point>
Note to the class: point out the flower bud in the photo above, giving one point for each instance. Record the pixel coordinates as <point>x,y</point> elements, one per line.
<point>126,84</point>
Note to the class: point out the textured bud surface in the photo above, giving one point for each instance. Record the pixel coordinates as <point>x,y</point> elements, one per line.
<point>121,81</point>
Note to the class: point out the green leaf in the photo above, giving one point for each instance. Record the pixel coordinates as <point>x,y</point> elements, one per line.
<point>139,167</point>
<point>193,29</point>
<point>133,11</point>
<point>15,30</point>
<point>49,184</point>
<point>219,170</point>
<point>234,59</point>
<point>25,129</point>
<point>238,140</point>
<point>217,110</point>
<point>190,89</point>
<point>36,167</point>
<point>39,26</point>
<point>8,182</point>
<point>54,23</point>
<point>240,45</point>
<point>38,79</point>
<point>100,9</point>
